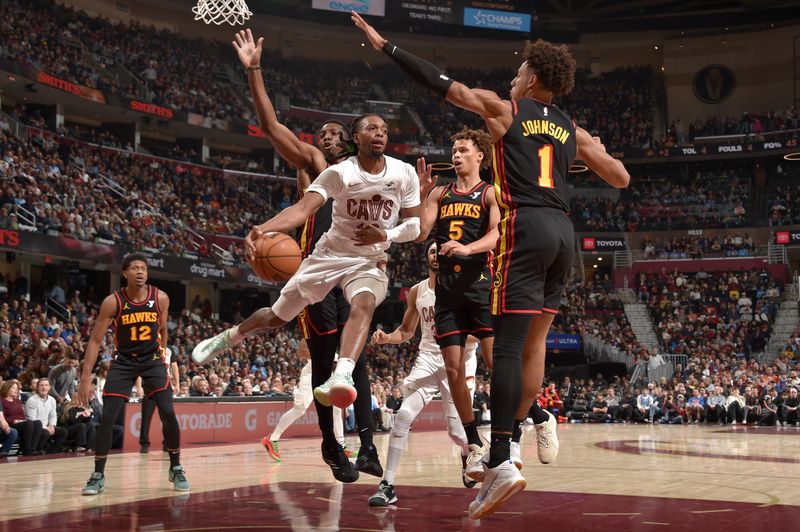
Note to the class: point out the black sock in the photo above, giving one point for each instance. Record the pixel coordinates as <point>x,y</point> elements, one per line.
<point>500,451</point>
<point>174,458</point>
<point>100,465</point>
<point>365,435</point>
<point>473,438</point>
<point>516,435</point>
<point>538,414</point>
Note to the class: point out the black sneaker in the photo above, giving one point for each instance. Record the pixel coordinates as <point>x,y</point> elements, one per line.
<point>341,467</point>
<point>368,461</point>
<point>384,496</point>
<point>144,448</point>
<point>468,482</point>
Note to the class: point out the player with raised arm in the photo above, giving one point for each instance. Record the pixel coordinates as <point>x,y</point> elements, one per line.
<point>321,324</point>
<point>465,216</point>
<point>138,314</point>
<point>535,144</point>
<point>375,202</point>
<point>428,375</point>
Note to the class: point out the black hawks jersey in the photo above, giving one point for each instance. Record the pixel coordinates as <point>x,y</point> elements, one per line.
<point>532,160</point>
<point>137,331</point>
<point>315,227</point>
<point>463,217</point>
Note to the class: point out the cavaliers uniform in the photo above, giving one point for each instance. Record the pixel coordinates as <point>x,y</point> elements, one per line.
<point>530,167</point>
<point>329,315</point>
<point>138,342</point>
<point>463,284</point>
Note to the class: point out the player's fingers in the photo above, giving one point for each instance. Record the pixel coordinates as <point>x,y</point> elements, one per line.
<point>249,35</point>
<point>260,43</point>
<point>235,45</point>
<point>238,39</point>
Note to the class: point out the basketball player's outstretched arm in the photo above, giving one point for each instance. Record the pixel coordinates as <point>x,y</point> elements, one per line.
<point>407,328</point>
<point>108,309</point>
<point>296,152</point>
<point>485,243</point>
<point>495,111</point>
<point>593,153</point>
<point>286,220</point>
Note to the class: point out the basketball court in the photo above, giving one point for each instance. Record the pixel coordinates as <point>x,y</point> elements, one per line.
<point>607,477</point>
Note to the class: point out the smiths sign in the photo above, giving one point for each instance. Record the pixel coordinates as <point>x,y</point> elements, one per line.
<point>590,243</point>
<point>787,238</point>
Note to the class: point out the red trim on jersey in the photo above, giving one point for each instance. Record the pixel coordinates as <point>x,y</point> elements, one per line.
<point>540,101</point>
<point>451,334</point>
<point>482,329</point>
<point>131,301</point>
<point>483,196</point>
<point>158,307</point>
<point>512,219</point>
<point>516,109</point>
<point>470,191</point>
<point>507,311</point>
<point>119,308</point>
<point>109,394</point>
<point>160,389</point>
<point>549,310</point>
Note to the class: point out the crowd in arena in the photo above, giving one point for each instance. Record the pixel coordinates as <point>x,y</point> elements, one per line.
<point>747,124</point>
<point>709,200</point>
<point>784,206</point>
<point>698,247</point>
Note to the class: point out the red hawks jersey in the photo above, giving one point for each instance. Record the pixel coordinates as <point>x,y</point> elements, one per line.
<point>361,198</point>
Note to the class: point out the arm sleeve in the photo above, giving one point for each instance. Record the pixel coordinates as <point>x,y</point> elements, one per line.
<point>426,74</point>
<point>328,184</point>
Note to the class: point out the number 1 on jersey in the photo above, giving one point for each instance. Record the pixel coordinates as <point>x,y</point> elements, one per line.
<point>546,166</point>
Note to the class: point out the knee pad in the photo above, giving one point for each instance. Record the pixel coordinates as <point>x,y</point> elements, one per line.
<point>402,423</point>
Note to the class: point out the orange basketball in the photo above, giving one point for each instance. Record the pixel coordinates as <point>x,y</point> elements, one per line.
<point>277,257</point>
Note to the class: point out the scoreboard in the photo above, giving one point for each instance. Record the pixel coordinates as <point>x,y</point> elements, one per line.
<point>510,15</point>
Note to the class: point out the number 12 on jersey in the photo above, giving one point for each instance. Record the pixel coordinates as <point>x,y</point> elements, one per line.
<point>546,166</point>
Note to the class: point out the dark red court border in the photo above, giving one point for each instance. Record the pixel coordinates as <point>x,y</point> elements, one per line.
<point>307,506</point>
<point>635,447</point>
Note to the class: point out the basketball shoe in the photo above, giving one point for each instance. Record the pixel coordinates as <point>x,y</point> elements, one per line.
<point>178,478</point>
<point>474,469</point>
<point>272,448</point>
<point>368,461</point>
<point>342,469</point>
<point>96,484</point>
<point>500,484</point>
<point>468,482</point>
<point>384,496</point>
<point>338,390</point>
<point>211,347</point>
<point>516,453</point>
<point>547,439</point>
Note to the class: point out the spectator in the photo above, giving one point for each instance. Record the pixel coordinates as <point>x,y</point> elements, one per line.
<point>31,433</point>
<point>64,378</point>
<point>42,407</point>
<point>695,407</point>
<point>715,407</point>
<point>8,434</point>
<point>76,419</point>
<point>644,402</point>
<point>789,414</point>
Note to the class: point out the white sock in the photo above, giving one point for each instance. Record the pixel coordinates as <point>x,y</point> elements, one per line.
<point>345,366</point>
<point>236,337</point>
<point>392,461</point>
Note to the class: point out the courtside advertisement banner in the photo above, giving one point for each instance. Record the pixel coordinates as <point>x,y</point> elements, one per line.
<point>787,238</point>
<point>364,7</point>
<point>592,243</point>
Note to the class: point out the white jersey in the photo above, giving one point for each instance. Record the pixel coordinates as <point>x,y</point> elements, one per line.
<point>426,301</point>
<point>362,198</point>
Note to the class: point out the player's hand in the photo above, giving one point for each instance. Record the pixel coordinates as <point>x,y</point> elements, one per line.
<point>369,234</point>
<point>426,182</point>
<point>380,337</point>
<point>451,248</point>
<point>374,37</point>
<point>248,50</point>
<point>250,244</point>
<point>84,387</point>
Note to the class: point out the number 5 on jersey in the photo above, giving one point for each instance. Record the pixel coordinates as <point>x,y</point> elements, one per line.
<point>456,231</point>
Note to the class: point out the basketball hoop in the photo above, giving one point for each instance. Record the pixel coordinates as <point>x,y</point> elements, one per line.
<point>234,12</point>
<point>441,167</point>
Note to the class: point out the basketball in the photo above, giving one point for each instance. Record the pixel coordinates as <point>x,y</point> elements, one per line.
<point>277,257</point>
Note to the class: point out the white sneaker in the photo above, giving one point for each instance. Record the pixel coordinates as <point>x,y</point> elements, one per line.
<point>475,462</point>
<point>516,453</point>
<point>208,349</point>
<point>547,439</point>
<point>500,484</point>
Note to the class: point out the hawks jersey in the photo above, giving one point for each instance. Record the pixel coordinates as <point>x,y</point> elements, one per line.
<point>532,160</point>
<point>426,303</point>
<point>463,217</point>
<point>361,198</point>
<point>137,323</point>
<point>315,227</point>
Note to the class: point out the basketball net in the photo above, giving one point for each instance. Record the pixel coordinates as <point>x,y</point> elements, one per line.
<point>234,12</point>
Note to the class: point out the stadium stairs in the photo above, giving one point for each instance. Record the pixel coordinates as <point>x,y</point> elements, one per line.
<point>786,320</point>
<point>642,325</point>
